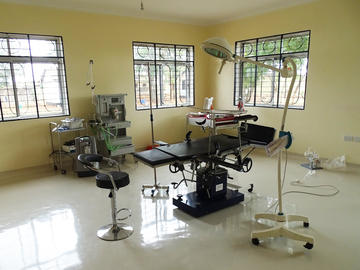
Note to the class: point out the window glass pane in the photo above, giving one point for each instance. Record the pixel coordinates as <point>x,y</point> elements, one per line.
<point>166,84</point>
<point>184,53</point>
<point>142,86</point>
<point>49,88</point>
<point>298,93</point>
<point>44,48</point>
<point>263,87</point>
<point>19,47</point>
<point>248,83</point>
<point>172,79</point>
<point>184,84</point>
<point>268,46</point>
<point>238,90</point>
<point>165,52</point>
<point>4,50</point>
<point>26,68</point>
<point>144,51</point>
<point>8,104</point>
<point>247,48</point>
<point>298,42</point>
<point>267,83</point>
<point>25,90</point>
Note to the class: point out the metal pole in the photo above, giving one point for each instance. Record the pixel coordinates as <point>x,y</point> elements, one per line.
<point>294,73</point>
<point>151,113</point>
<point>279,185</point>
<point>60,154</point>
<point>151,120</point>
<point>113,206</point>
<point>155,178</point>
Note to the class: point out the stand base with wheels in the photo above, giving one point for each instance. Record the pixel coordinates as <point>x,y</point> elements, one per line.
<point>155,188</point>
<point>282,230</point>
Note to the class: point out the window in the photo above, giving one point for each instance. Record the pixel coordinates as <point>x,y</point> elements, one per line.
<point>32,77</point>
<point>171,75</point>
<point>258,86</point>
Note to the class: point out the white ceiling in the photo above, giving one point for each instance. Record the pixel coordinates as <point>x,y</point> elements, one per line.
<point>199,12</point>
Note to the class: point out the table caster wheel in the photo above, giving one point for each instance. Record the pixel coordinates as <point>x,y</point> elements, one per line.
<point>306,224</point>
<point>152,193</point>
<point>55,168</point>
<point>246,165</point>
<point>308,245</point>
<point>63,171</point>
<point>255,241</point>
<point>167,190</point>
<point>251,188</point>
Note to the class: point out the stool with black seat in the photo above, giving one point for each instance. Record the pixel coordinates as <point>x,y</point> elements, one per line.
<point>113,180</point>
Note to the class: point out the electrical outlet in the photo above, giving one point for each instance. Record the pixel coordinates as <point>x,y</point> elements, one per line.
<point>356,139</point>
<point>348,138</point>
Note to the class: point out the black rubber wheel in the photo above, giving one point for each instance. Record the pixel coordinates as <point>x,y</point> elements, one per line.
<point>247,165</point>
<point>306,224</point>
<point>63,171</point>
<point>251,188</point>
<point>55,167</point>
<point>308,245</point>
<point>255,241</point>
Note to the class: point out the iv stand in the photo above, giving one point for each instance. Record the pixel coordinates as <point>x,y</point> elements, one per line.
<point>156,187</point>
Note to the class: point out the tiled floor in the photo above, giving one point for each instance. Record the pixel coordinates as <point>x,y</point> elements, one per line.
<point>49,221</point>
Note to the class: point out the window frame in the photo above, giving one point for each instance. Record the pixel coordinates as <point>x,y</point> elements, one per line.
<point>156,107</point>
<point>239,79</point>
<point>38,59</point>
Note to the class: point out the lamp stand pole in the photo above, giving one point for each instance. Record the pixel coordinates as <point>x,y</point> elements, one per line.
<point>156,187</point>
<point>221,49</point>
<point>281,229</point>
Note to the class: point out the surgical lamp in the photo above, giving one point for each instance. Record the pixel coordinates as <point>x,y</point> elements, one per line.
<point>220,48</point>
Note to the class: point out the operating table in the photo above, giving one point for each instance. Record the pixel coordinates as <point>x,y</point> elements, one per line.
<point>211,192</point>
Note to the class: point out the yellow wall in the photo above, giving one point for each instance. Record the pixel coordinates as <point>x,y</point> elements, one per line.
<point>332,107</point>
<point>332,101</point>
<point>107,40</point>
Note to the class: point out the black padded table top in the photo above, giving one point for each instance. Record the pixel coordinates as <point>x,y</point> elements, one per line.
<point>256,135</point>
<point>154,157</point>
<point>197,147</point>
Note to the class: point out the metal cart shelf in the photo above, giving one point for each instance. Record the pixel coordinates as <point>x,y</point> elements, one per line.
<point>59,154</point>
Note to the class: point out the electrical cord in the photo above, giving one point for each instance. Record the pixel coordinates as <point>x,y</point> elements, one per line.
<point>297,183</point>
<point>300,184</point>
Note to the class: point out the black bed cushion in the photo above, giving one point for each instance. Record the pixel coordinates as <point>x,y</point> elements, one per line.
<point>154,157</point>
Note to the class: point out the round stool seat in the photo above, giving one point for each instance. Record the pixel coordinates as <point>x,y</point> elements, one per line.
<point>121,179</point>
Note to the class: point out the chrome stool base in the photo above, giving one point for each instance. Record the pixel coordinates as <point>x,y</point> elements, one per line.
<point>116,232</point>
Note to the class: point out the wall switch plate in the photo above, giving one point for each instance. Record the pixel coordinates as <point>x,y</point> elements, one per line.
<point>356,139</point>
<point>348,138</point>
